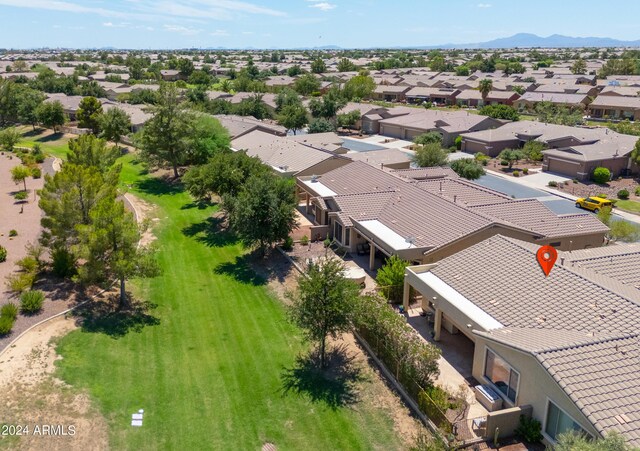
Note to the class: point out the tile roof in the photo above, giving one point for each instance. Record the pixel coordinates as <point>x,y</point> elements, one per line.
<point>466,193</point>
<point>426,173</point>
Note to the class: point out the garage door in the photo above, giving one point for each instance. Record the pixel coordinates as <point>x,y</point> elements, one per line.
<point>563,167</point>
<point>391,131</point>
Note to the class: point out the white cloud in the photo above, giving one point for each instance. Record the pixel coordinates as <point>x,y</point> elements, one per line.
<point>484,5</point>
<point>182,29</point>
<point>220,33</point>
<point>323,6</point>
<point>247,32</point>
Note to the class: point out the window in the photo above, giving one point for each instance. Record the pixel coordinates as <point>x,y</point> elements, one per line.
<point>559,422</point>
<point>347,236</point>
<point>502,375</point>
<point>337,231</point>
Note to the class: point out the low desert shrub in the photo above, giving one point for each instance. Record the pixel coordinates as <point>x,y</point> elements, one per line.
<point>28,264</point>
<point>31,301</point>
<point>36,173</point>
<point>623,194</point>
<point>10,310</point>
<point>602,195</point>
<point>516,173</point>
<point>13,232</point>
<point>637,191</point>
<point>504,163</point>
<point>6,324</point>
<point>575,180</point>
<point>21,282</point>
<point>304,240</point>
<point>601,175</point>
<point>21,195</point>
<point>552,183</point>
<point>63,263</point>
<point>287,245</point>
<point>3,254</point>
<point>529,429</point>
<point>525,171</point>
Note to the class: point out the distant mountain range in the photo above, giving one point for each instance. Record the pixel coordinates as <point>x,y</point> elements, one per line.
<point>532,40</point>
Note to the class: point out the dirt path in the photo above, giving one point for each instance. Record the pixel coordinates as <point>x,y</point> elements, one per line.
<point>32,398</point>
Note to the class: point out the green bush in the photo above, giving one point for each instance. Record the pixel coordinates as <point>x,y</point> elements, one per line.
<point>304,240</point>
<point>28,264</point>
<point>287,245</point>
<point>529,429</point>
<point>327,242</point>
<point>467,168</point>
<point>552,183</point>
<point>504,163</point>
<point>36,173</point>
<point>13,232</point>
<point>38,159</point>
<point>575,180</point>
<point>63,263</point>
<point>21,195</point>
<point>6,324</point>
<point>516,173</point>
<point>623,194</point>
<point>3,254</point>
<point>458,143</point>
<point>525,171</point>
<point>9,310</point>
<point>21,282</point>
<point>390,278</point>
<point>601,175</point>
<point>601,195</point>
<point>637,191</point>
<point>31,301</point>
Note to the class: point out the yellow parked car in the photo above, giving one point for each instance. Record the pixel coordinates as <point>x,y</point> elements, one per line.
<point>594,204</point>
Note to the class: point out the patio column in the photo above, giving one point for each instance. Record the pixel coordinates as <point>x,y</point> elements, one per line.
<point>307,199</point>
<point>372,256</point>
<point>437,324</point>
<point>405,294</point>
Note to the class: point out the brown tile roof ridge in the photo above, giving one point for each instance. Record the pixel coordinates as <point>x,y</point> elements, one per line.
<point>595,340</point>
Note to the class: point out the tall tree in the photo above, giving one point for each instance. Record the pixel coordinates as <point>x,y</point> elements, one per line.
<point>429,155</point>
<point>579,67</point>
<point>306,84</point>
<point>164,137</point>
<point>115,124</point>
<point>89,113</point>
<point>485,86</point>
<point>287,97</point>
<point>51,114</point>
<point>359,87</point>
<point>263,213</point>
<point>19,174</point>
<point>28,101</point>
<point>88,150</point>
<point>109,246</point>
<point>9,137</point>
<point>293,117</point>
<point>207,138</point>
<point>324,303</point>
<point>346,65</point>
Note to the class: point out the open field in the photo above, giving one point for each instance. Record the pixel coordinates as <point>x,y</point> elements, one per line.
<point>210,361</point>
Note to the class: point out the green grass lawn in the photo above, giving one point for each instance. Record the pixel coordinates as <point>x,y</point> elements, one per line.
<point>628,205</point>
<point>52,144</point>
<point>207,363</point>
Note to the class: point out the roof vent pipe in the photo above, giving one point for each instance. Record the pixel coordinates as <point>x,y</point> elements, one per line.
<point>455,198</point>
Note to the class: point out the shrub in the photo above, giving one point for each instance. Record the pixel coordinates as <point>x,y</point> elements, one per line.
<point>6,324</point>
<point>327,242</point>
<point>31,301</point>
<point>21,282</point>
<point>287,245</point>
<point>458,143</point>
<point>637,190</point>
<point>602,196</point>
<point>623,194</point>
<point>552,183</point>
<point>63,263</point>
<point>525,171</point>
<point>529,429</point>
<point>13,232</point>
<point>38,159</point>
<point>21,195</point>
<point>504,163</point>
<point>601,175</point>
<point>467,168</point>
<point>391,278</point>
<point>516,173</point>
<point>304,240</point>
<point>9,310</point>
<point>36,173</point>
<point>575,180</point>
<point>3,254</point>
<point>28,264</point>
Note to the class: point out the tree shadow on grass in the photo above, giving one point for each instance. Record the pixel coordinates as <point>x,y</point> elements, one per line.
<point>103,316</point>
<point>199,204</point>
<point>240,270</point>
<point>335,385</point>
<point>159,186</point>
<point>211,232</point>
<point>51,137</point>
<point>32,132</point>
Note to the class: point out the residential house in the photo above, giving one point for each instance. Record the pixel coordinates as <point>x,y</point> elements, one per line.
<point>563,347</point>
<point>615,107</point>
<point>239,125</point>
<point>529,100</point>
<point>443,96</point>
<point>390,93</point>
<point>171,75</point>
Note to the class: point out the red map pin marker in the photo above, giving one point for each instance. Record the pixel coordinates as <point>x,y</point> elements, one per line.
<point>547,256</point>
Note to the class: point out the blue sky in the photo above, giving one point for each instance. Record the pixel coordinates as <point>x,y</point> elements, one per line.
<point>302,23</point>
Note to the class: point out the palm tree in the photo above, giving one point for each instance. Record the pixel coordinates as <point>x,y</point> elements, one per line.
<point>485,87</point>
